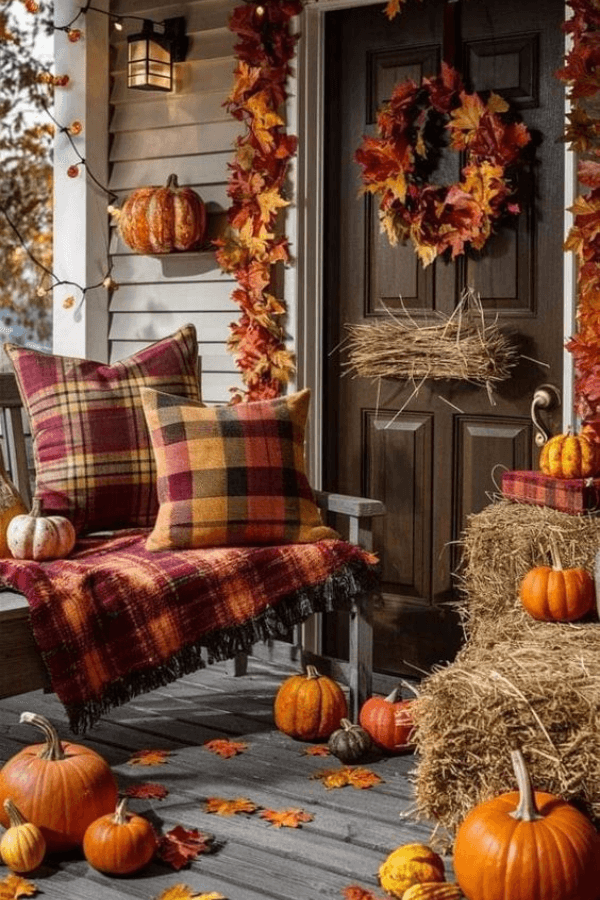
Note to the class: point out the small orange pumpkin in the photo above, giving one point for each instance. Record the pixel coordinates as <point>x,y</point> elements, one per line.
<point>389,721</point>
<point>554,594</point>
<point>120,842</point>
<point>22,847</point>
<point>58,786</point>
<point>527,844</point>
<point>310,707</point>
<point>570,456</point>
<point>163,219</point>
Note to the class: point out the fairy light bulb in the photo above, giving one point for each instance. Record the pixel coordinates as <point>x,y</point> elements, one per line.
<point>75,128</point>
<point>73,171</point>
<point>74,35</point>
<point>68,302</point>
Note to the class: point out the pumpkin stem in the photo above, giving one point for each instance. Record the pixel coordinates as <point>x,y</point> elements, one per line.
<point>394,696</point>
<point>526,810</point>
<point>121,812</point>
<point>36,508</point>
<point>53,749</point>
<point>346,724</point>
<point>172,181</point>
<point>14,814</point>
<point>311,672</point>
<point>555,553</point>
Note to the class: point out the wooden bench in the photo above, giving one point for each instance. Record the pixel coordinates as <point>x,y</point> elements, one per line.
<point>21,667</point>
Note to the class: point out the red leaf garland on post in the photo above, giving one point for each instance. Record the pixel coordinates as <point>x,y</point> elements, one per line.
<point>254,245</point>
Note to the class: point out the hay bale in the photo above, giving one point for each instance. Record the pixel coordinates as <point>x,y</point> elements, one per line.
<point>500,545</point>
<point>542,695</point>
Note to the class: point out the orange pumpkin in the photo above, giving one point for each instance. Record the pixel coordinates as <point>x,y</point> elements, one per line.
<point>120,842</point>
<point>58,786</point>
<point>389,721</point>
<point>310,707</point>
<point>163,219</point>
<point>554,594</point>
<point>527,846</point>
<point>11,505</point>
<point>570,456</point>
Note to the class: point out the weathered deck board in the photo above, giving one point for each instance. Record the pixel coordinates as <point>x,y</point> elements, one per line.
<point>350,835</point>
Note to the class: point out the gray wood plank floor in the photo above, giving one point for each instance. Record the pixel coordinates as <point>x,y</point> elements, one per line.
<point>351,833</point>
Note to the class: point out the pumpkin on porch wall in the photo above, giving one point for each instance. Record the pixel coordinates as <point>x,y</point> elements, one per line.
<point>310,707</point>
<point>163,219</point>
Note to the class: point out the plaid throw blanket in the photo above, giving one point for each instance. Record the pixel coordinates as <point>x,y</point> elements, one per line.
<point>115,620</point>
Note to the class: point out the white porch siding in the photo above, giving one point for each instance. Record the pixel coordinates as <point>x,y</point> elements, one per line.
<point>187,132</point>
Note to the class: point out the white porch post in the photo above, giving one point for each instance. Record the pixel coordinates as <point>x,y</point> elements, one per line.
<point>80,217</point>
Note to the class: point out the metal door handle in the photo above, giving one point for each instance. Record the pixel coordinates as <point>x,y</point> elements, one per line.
<point>547,396</point>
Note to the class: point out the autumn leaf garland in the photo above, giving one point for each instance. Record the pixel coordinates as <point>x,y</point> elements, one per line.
<point>254,244</point>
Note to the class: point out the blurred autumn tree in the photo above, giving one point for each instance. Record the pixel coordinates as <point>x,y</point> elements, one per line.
<point>26,133</point>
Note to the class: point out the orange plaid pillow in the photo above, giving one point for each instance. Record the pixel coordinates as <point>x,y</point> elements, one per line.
<point>231,475</point>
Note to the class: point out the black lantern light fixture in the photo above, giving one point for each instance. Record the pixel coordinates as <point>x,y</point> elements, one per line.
<point>152,52</point>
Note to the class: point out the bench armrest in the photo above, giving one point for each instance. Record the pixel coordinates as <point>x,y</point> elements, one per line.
<point>359,510</point>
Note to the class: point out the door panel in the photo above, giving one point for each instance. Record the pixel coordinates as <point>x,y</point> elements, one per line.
<point>434,455</point>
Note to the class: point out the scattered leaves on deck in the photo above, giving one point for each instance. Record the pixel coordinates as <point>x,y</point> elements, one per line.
<point>147,790</point>
<point>286,818</point>
<point>317,750</point>
<point>226,748</point>
<point>180,845</point>
<point>356,892</point>
<point>356,776</point>
<point>14,886</point>
<point>184,892</point>
<point>148,758</point>
<point>222,807</point>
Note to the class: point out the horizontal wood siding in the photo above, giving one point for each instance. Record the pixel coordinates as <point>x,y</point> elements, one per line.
<point>189,133</point>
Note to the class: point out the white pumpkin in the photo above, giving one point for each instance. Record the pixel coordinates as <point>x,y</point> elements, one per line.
<point>39,537</point>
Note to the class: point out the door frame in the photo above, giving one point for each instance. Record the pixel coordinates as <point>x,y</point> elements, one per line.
<point>308,88</point>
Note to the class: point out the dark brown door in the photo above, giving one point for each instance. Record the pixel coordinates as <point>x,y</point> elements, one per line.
<point>440,458</point>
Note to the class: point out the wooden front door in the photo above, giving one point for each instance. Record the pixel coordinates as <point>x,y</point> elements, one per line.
<point>437,458</point>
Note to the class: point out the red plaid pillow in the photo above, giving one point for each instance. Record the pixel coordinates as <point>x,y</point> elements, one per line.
<point>231,475</point>
<point>93,459</point>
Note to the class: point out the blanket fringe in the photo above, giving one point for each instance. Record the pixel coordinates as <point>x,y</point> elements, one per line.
<point>345,586</point>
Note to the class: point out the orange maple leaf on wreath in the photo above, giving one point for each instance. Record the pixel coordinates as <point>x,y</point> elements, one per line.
<point>147,790</point>
<point>263,119</point>
<point>245,77</point>
<point>225,748</point>
<point>149,758</point>
<point>286,818</point>
<point>180,845</point>
<point>222,807</point>
<point>13,886</point>
<point>184,892</point>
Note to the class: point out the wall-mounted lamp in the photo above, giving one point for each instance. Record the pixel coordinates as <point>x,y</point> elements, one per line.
<point>151,54</point>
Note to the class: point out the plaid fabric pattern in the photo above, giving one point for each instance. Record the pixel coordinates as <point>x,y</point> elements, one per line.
<point>231,475</point>
<point>93,459</point>
<point>569,495</point>
<point>114,620</point>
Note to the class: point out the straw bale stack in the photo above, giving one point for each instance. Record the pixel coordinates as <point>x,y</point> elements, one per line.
<point>517,682</point>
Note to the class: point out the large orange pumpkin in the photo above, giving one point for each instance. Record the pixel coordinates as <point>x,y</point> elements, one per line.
<point>310,707</point>
<point>527,846</point>
<point>59,786</point>
<point>570,456</point>
<point>389,721</point>
<point>554,594</point>
<point>163,219</point>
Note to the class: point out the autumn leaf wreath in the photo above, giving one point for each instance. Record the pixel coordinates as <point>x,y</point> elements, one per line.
<point>398,163</point>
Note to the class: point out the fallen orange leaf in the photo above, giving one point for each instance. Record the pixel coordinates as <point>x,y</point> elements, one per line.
<point>148,758</point>
<point>363,778</point>
<point>356,892</point>
<point>226,748</point>
<point>317,750</point>
<point>347,775</point>
<point>14,886</point>
<point>147,790</point>
<point>185,892</point>
<point>180,845</point>
<point>286,818</point>
<point>222,807</point>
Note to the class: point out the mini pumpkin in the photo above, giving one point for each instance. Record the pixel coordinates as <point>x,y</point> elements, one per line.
<point>39,537</point>
<point>120,842</point>
<point>59,786</point>
<point>309,707</point>
<point>389,722</point>
<point>11,505</point>
<point>23,846</point>
<point>163,219</point>
<point>350,742</point>
<point>570,455</point>
<point>554,594</point>
<point>527,844</point>
<point>410,864</point>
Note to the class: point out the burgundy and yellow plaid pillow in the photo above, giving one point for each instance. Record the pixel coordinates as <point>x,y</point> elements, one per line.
<point>93,458</point>
<point>231,475</point>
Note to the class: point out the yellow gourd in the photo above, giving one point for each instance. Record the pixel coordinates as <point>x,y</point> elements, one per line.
<point>23,846</point>
<point>433,890</point>
<point>11,505</point>
<point>410,864</point>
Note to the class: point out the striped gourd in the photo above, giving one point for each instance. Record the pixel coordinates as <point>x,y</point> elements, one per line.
<point>433,890</point>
